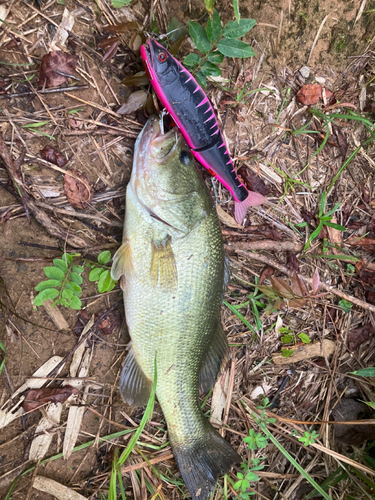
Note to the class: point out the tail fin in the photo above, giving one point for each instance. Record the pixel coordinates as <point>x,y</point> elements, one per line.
<point>241,207</point>
<point>202,461</point>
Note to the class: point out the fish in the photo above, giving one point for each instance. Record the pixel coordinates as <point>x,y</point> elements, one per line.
<point>193,113</point>
<point>171,268</point>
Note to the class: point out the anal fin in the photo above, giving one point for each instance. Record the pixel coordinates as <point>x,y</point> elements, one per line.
<point>135,387</point>
<point>163,265</point>
<point>216,355</point>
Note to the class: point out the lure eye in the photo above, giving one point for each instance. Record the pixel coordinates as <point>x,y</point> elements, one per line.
<point>185,157</point>
<point>162,57</point>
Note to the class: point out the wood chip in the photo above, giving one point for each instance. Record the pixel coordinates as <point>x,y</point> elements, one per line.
<point>56,316</point>
<point>226,219</point>
<point>306,351</point>
<point>56,489</point>
<point>219,399</point>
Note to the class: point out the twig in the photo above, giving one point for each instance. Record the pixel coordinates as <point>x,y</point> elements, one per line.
<point>285,270</point>
<point>317,37</point>
<point>276,246</point>
<point>46,91</point>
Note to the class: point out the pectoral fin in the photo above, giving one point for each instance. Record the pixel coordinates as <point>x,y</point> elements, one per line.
<point>135,387</point>
<point>163,265</point>
<point>216,355</point>
<point>122,262</point>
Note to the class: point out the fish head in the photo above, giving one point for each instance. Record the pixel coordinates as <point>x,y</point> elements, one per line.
<point>165,180</point>
<point>160,65</point>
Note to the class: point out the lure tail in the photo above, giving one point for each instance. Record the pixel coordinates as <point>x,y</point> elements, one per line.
<point>202,461</point>
<point>241,207</point>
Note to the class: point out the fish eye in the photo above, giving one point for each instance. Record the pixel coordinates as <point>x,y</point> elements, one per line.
<point>185,157</point>
<point>162,57</point>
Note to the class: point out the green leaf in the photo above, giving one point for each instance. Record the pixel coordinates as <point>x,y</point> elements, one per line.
<point>336,226</point>
<point>215,57</point>
<point>35,125</point>
<point>287,353</point>
<point>117,4</point>
<point>67,294</point>
<point>192,60</point>
<point>104,257</point>
<point>287,339</point>
<point>209,5</point>
<point>345,305</point>
<point>371,404</point>
<point>305,338</point>
<point>47,284</point>
<point>78,269</point>
<point>60,264</point>
<point>48,294</point>
<point>2,347</point>
<point>176,29</point>
<point>236,30</point>
<point>76,278</point>
<point>199,37</point>
<point>201,79</point>
<point>365,372</point>
<point>95,274</point>
<point>104,281</point>
<point>76,289</point>
<point>67,258</point>
<point>236,9</point>
<point>54,273</point>
<point>209,69</point>
<point>75,303</point>
<point>214,28</point>
<point>235,48</point>
<point>251,476</point>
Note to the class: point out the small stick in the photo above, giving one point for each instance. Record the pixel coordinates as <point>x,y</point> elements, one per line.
<point>285,270</point>
<point>46,91</point>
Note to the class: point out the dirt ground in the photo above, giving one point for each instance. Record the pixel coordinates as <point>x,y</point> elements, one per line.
<point>335,40</point>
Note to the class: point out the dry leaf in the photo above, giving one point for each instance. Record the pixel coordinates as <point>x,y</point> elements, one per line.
<point>39,397</point>
<point>306,351</point>
<point>358,336</point>
<point>135,101</point>
<point>56,489</point>
<point>281,288</point>
<point>78,191</point>
<point>253,182</point>
<point>56,67</point>
<point>53,156</point>
<point>138,80</point>
<point>225,218</point>
<point>311,94</point>
<point>334,235</point>
<point>111,51</point>
<point>266,273</point>
<point>316,281</point>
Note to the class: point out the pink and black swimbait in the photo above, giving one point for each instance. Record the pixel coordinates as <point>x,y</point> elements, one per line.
<point>193,113</point>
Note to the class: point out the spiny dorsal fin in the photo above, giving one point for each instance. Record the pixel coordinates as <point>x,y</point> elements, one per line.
<point>135,387</point>
<point>122,262</point>
<point>163,265</point>
<point>216,355</point>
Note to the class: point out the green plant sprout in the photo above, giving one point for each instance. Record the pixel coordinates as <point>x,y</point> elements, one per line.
<point>65,280</point>
<point>289,337</point>
<point>324,220</point>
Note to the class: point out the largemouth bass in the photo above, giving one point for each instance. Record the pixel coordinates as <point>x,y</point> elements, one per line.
<point>171,265</point>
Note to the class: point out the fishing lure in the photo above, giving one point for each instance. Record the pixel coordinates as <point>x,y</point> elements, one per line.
<point>193,113</point>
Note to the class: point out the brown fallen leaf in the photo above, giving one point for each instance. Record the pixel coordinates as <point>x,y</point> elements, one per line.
<point>266,273</point>
<point>334,235</point>
<point>341,140</point>
<point>358,336</point>
<point>109,324</point>
<point>56,67</point>
<point>306,351</point>
<point>253,182</point>
<point>135,101</point>
<point>138,80</point>
<point>311,94</point>
<point>39,397</point>
<point>293,263</point>
<point>53,156</point>
<point>281,288</point>
<point>111,51</point>
<point>77,189</point>
<point>226,219</point>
